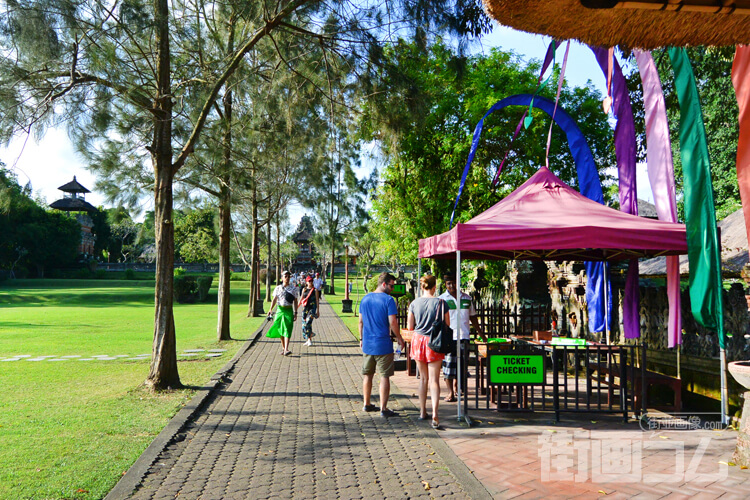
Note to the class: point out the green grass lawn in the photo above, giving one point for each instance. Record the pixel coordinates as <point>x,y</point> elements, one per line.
<point>70,429</point>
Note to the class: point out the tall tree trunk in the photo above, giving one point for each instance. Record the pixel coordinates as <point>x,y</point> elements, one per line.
<point>254,254</point>
<point>257,274</point>
<point>225,209</point>
<point>222,328</point>
<point>163,371</point>
<point>333,263</point>
<point>278,248</point>
<point>268,262</point>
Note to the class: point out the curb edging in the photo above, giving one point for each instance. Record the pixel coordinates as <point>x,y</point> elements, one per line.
<point>135,474</point>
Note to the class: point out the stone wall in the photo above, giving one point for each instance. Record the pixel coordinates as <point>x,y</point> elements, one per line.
<point>566,283</point>
<point>697,341</point>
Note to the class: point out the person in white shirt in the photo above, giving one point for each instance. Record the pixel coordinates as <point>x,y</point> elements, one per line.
<point>468,314</point>
<point>318,283</point>
<point>285,298</point>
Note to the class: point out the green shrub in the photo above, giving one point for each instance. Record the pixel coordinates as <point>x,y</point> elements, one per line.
<point>372,284</point>
<point>239,277</point>
<point>83,273</point>
<point>180,271</point>
<point>21,273</point>
<point>191,289</point>
<point>100,274</point>
<point>204,286</point>
<point>129,274</point>
<point>185,289</point>
<point>405,300</point>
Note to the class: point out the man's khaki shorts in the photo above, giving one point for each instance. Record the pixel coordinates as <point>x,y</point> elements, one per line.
<point>383,362</point>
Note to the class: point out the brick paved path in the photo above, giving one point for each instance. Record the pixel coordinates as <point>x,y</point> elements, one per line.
<point>528,455</point>
<point>293,427</point>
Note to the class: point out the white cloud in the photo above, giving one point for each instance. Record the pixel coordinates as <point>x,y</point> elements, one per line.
<point>48,164</point>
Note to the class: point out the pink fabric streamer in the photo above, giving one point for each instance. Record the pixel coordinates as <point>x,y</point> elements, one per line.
<point>661,177</point>
<point>741,82</point>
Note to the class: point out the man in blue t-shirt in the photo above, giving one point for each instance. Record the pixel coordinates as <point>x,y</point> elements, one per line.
<point>377,318</point>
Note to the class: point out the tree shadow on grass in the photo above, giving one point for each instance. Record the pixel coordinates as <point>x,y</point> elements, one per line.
<point>83,298</point>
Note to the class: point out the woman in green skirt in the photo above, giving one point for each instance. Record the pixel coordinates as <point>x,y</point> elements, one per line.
<point>285,296</point>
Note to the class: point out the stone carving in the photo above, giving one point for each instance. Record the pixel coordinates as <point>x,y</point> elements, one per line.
<point>566,282</point>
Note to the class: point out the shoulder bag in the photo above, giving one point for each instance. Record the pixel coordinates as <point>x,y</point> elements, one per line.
<point>441,335</point>
<point>304,301</point>
<point>288,297</point>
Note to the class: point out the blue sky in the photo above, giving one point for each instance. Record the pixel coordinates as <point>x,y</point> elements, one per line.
<point>53,162</point>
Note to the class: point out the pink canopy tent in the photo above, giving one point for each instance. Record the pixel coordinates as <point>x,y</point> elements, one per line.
<point>545,219</point>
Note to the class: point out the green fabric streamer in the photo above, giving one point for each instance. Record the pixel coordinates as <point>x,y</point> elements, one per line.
<point>700,215</point>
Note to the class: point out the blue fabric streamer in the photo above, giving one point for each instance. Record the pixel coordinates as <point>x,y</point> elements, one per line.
<point>588,182</point>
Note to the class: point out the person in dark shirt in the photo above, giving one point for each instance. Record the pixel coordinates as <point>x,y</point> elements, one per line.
<point>309,303</point>
<point>423,312</point>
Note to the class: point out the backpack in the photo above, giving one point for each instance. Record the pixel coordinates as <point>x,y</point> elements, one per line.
<point>441,335</point>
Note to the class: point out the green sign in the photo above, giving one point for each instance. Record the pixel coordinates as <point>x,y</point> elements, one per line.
<point>516,369</point>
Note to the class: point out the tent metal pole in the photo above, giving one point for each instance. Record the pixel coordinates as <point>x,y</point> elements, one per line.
<point>722,352</point>
<point>457,329</point>
<point>724,402</point>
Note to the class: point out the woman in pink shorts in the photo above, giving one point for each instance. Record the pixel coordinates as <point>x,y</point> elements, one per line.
<point>423,312</point>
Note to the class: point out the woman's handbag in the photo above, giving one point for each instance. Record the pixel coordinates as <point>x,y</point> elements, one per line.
<point>441,335</point>
<point>303,303</point>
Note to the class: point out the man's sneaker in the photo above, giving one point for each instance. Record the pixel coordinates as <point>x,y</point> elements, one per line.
<point>370,408</point>
<point>388,413</point>
<point>308,343</point>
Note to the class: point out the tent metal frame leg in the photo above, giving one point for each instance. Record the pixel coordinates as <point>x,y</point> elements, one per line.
<point>461,410</point>
<point>724,399</point>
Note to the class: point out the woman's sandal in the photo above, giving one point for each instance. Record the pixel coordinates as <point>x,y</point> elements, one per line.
<point>450,399</point>
<point>436,425</point>
<point>425,417</point>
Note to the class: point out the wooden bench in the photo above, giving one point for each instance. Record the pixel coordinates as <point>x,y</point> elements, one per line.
<point>652,378</point>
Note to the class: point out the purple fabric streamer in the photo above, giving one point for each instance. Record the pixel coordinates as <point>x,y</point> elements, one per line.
<point>625,151</point>
<point>548,58</point>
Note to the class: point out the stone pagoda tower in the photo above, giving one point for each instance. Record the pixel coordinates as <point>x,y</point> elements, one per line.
<point>303,239</point>
<point>74,201</point>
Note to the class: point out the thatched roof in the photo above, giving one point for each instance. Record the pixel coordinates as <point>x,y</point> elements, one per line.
<point>73,187</point>
<point>647,209</point>
<point>615,23</point>
<point>733,250</point>
<point>73,205</point>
